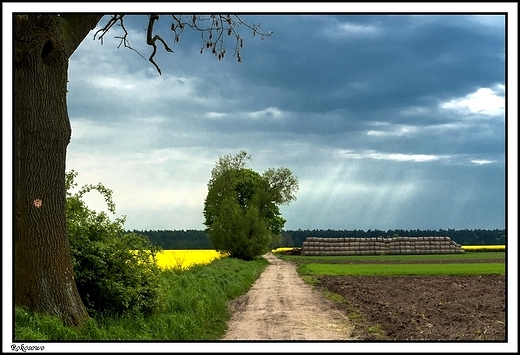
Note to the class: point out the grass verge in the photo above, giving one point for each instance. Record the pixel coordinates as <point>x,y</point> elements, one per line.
<point>193,307</point>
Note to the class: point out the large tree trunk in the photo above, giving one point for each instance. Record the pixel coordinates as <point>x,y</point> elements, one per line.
<point>43,273</point>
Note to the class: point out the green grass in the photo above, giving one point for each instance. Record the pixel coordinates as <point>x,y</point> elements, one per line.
<point>401,269</point>
<point>193,307</point>
<point>477,263</point>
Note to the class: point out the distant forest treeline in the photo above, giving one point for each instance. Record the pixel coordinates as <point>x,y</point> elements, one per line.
<point>198,239</point>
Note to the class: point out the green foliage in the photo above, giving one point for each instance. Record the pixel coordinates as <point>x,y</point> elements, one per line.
<point>241,209</point>
<point>115,271</point>
<point>194,306</point>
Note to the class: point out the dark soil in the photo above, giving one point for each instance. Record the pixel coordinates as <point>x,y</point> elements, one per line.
<point>409,308</point>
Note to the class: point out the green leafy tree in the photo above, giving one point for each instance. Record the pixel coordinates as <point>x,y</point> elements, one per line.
<point>42,46</point>
<point>115,271</point>
<point>241,210</point>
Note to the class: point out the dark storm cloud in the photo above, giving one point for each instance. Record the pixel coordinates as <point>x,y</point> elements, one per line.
<point>363,66</point>
<point>381,117</point>
<point>367,63</point>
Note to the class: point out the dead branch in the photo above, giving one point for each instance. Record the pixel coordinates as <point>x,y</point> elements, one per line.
<point>151,40</point>
<point>213,29</point>
<point>113,20</point>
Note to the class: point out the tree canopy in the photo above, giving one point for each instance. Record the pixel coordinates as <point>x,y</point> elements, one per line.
<point>241,209</point>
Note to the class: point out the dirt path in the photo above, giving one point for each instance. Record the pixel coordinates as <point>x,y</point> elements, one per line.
<point>281,306</point>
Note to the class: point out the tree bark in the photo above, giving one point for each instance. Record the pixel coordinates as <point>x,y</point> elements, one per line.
<point>43,272</point>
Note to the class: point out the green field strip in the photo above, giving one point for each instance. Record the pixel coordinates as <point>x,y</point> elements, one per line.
<point>444,269</point>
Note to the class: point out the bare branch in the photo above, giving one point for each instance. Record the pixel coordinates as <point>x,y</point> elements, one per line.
<point>113,20</point>
<point>213,30</point>
<point>220,25</point>
<point>151,40</point>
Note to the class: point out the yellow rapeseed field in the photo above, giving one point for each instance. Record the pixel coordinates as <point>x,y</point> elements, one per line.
<point>484,247</point>
<point>281,250</point>
<point>184,259</point>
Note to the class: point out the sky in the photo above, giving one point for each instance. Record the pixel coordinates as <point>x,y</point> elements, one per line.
<point>389,121</point>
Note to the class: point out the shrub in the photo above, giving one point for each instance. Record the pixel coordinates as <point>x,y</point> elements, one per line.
<point>115,271</point>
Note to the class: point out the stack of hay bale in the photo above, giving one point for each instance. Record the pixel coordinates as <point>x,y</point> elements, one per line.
<point>380,246</point>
